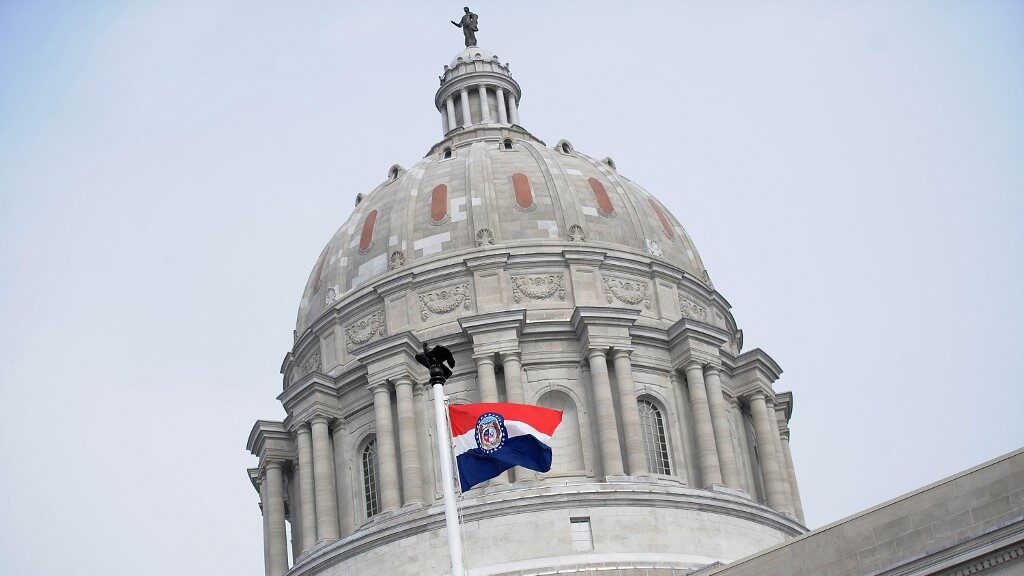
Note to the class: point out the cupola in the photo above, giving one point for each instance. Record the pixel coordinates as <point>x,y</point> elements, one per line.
<point>477,90</point>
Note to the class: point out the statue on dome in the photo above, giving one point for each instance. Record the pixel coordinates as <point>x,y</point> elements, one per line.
<point>469,26</point>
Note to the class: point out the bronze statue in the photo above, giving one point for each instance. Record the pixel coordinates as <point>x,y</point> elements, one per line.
<point>469,27</point>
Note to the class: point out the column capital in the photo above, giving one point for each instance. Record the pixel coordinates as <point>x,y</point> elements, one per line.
<point>302,427</point>
<point>694,363</point>
<point>319,418</point>
<point>401,380</point>
<point>514,354</point>
<point>619,352</point>
<point>712,368</point>
<point>596,351</point>
<point>484,358</point>
<point>755,395</point>
<point>271,464</point>
<point>464,90</point>
<point>383,385</point>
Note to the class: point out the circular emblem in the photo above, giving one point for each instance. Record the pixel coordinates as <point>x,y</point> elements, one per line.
<point>490,432</point>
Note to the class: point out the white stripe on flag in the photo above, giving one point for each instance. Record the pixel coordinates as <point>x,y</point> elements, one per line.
<point>467,441</point>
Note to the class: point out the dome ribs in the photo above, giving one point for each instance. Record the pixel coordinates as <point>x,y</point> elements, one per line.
<point>604,203</point>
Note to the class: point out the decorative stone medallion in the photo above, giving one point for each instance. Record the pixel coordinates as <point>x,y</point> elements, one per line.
<point>366,330</point>
<point>444,300</point>
<point>484,237</point>
<point>629,292</point>
<point>396,260</point>
<point>692,309</point>
<point>540,287</point>
<point>654,248</point>
<point>310,362</point>
<point>332,296</point>
<point>577,234</point>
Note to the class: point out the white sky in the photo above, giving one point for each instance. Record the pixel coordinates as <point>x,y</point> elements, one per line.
<point>169,172</point>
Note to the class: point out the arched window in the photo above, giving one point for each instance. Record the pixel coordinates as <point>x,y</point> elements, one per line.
<point>371,488</point>
<point>652,426</point>
<point>446,153</point>
<point>506,144</point>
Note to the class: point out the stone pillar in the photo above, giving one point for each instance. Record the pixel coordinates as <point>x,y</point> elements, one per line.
<point>412,487</point>
<point>773,421</point>
<point>485,108</point>
<point>720,424</point>
<point>486,383</point>
<point>513,109</point>
<point>306,492</point>
<point>264,512</point>
<point>423,437</point>
<point>604,407</point>
<point>449,103</point>
<point>502,115</point>
<point>323,480</point>
<point>798,507</point>
<point>467,119</point>
<point>386,460</point>
<point>766,452</point>
<point>710,472</point>
<point>273,507</point>
<point>513,377</point>
<point>487,386</point>
<point>742,464</point>
<point>444,121</point>
<point>630,414</point>
<point>342,473</point>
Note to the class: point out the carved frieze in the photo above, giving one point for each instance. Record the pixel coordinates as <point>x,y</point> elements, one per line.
<point>539,287</point>
<point>444,300</point>
<point>311,362</point>
<point>366,330</point>
<point>631,292</point>
<point>691,309</point>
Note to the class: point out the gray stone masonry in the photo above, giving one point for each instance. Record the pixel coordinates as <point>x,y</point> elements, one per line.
<point>971,523</point>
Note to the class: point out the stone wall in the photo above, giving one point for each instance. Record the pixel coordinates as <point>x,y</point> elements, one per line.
<point>971,523</point>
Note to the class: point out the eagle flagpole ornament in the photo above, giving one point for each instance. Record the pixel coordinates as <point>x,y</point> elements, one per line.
<point>435,360</point>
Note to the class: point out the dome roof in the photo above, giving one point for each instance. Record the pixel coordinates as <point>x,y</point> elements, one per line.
<point>471,54</point>
<point>498,191</point>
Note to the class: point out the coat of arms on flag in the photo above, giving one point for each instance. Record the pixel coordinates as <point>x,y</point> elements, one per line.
<point>493,437</point>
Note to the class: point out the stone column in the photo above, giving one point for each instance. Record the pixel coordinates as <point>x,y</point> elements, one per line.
<point>487,386</point>
<point>630,414</point>
<point>273,508</point>
<point>264,512</point>
<point>742,464</point>
<point>444,121</point>
<point>467,119</point>
<point>766,452</point>
<point>502,115</point>
<point>323,480</point>
<point>449,103</point>
<point>412,487</point>
<point>306,492</point>
<point>386,460</point>
<point>773,421</point>
<point>798,507</point>
<point>485,107</point>
<point>423,437</point>
<point>720,423</point>
<point>710,472</point>
<point>486,383</point>
<point>604,407</point>
<point>513,377</point>
<point>342,473</point>
<point>513,109</point>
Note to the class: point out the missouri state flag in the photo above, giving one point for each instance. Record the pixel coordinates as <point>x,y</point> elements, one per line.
<point>491,438</point>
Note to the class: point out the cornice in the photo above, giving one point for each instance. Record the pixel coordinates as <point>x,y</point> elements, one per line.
<point>784,401</point>
<point>688,329</point>
<point>269,439</point>
<point>493,321</point>
<point>390,357</point>
<point>311,383</point>
<point>581,256</point>
<point>487,261</point>
<point>392,285</point>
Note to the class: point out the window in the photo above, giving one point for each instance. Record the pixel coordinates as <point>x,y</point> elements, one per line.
<point>652,426</point>
<point>582,536</point>
<point>506,144</point>
<point>446,153</point>
<point>393,173</point>
<point>564,147</point>
<point>371,490</point>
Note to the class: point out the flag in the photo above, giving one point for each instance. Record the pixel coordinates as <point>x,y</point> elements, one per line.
<point>491,438</point>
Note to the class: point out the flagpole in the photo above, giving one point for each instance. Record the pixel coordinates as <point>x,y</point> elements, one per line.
<point>444,448</point>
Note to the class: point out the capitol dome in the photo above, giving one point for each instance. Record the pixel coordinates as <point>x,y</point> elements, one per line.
<point>555,281</point>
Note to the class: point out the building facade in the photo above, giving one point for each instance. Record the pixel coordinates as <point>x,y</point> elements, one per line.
<point>556,281</point>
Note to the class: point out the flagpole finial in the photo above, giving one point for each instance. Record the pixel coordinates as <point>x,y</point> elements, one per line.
<point>434,360</point>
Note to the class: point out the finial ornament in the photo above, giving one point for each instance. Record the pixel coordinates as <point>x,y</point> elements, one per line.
<point>469,27</point>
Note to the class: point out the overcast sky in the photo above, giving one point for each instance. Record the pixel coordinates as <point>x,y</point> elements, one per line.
<point>851,173</point>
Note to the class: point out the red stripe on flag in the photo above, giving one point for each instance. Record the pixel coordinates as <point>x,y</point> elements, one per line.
<point>464,416</point>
